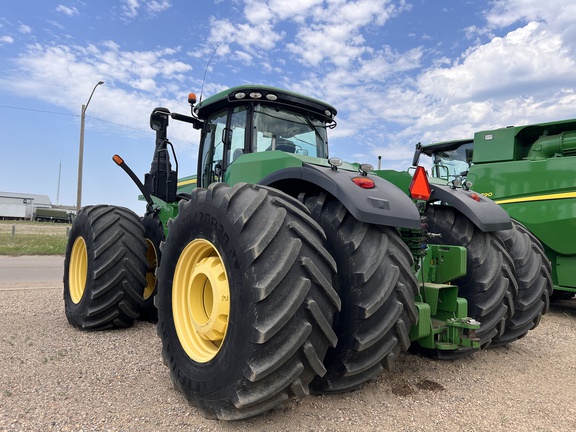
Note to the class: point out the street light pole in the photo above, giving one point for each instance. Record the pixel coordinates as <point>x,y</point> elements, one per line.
<point>81,150</point>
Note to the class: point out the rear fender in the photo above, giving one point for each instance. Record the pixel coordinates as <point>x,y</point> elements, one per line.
<point>485,213</point>
<point>384,204</point>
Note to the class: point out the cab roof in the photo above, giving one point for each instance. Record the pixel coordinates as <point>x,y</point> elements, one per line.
<point>428,149</point>
<point>255,93</point>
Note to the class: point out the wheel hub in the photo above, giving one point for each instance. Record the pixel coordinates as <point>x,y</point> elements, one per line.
<point>210,299</point>
<point>78,270</point>
<point>152,259</point>
<point>201,300</point>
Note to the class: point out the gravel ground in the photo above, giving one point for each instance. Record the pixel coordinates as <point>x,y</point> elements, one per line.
<point>53,377</point>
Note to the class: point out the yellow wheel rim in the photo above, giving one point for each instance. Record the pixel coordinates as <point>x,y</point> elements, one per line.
<point>152,259</point>
<point>78,271</point>
<point>201,300</point>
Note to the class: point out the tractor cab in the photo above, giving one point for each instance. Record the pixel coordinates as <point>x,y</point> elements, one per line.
<point>451,160</point>
<point>249,119</point>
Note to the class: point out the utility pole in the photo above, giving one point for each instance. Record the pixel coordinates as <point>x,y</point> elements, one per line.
<point>81,149</point>
<point>58,190</point>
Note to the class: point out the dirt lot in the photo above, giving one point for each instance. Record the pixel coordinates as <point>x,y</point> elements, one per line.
<point>53,377</point>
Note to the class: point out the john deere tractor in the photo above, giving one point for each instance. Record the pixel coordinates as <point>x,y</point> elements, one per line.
<point>526,170</point>
<point>507,278</point>
<point>277,270</point>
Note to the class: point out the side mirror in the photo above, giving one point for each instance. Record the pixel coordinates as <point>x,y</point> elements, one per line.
<point>159,119</point>
<point>417,153</point>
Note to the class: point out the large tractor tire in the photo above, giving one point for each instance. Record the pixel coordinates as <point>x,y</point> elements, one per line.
<point>245,300</point>
<point>154,236</point>
<point>104,268</point>
<point>377,287</point>
<point>489,285</point>
<point>533,274</point>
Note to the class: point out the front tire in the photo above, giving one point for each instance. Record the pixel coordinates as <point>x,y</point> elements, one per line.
<point>377,287</point>
<point>104,268</point>
<point>245,300</point>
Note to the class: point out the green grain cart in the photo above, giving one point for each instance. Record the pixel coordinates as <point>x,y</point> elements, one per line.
<point>277,270</point>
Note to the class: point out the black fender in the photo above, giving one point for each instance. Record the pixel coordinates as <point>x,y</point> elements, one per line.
<point>385,204</point>
<point>484,213</point>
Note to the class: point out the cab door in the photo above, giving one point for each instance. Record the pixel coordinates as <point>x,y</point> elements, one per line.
<point>223,140</point>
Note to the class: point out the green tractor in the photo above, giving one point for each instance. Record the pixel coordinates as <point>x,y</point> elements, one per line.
<point>529,171</point>
<point>507,279</point>
<point>278,270</point>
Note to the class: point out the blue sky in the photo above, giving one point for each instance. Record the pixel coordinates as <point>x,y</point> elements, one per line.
<point>398,72</point>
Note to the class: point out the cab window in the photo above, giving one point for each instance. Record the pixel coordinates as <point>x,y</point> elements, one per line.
<point>450,164</point>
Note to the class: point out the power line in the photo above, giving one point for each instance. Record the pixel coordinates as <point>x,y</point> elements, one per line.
<point>149,132</point>
<point>91,117</point>
<point>37,110</point>
<point>121,125</point>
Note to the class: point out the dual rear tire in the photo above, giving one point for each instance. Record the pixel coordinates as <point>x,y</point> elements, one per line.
<point>532,271</point>
<point>377,287</point>
<point>489,285</point>
<point>247,299</point>
<point>507,284</point>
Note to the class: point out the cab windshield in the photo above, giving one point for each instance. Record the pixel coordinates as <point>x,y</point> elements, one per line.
<point>288,131</point>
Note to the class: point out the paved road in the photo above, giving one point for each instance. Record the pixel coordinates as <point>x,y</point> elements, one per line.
<point>31,272</point>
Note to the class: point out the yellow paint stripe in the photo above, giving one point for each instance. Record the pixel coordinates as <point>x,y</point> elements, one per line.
<point>186,182</point>
<point>538,198</point>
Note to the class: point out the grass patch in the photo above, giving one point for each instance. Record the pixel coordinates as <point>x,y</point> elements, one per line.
<point>32,238</point>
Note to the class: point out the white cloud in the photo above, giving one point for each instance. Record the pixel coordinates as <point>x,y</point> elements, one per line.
<point>324,30</point>
<point>507,12</point>
<point>556,15</point>
<point>334,33</point>
<point>69,11</point>
<point>56,24</point>
<point>243,57</point>
<point>252,38</point>
<point>338,43</point>
<point>524,58</point>
<point>24,29</point>
<point>384,64</point>
<point>296,10</point>
<point>257,11</point>
<point>156,6</point>
<point>6,40</point>
<point>135,81</point>
<point>131,7</point>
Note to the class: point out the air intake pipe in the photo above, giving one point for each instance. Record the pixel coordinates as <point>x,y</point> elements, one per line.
<point>545,147</point>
